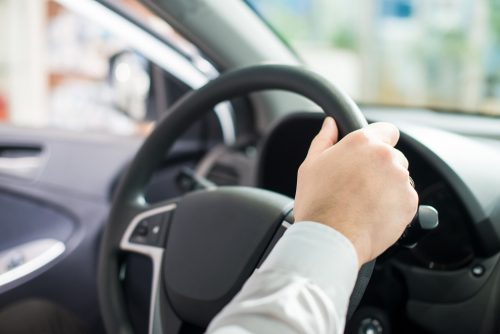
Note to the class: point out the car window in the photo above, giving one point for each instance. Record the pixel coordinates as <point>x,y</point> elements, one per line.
<point>433,53</point>
<point>73,67</point>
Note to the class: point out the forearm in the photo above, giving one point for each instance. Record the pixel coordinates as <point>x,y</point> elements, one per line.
<point>302,287</point>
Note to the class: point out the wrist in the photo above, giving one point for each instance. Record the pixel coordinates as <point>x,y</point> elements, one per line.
<point>362,245</point>
<point>356,243</point>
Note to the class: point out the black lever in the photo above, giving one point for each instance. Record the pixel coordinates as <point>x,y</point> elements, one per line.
<point>188,180</point>
<point>425,221</point>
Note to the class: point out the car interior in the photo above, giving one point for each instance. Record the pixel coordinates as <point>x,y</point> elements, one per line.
<point>150,189</point>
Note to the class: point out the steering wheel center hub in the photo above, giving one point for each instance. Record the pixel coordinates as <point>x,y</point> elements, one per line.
<point>216,239</point>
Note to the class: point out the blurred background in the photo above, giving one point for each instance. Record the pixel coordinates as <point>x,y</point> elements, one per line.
<point>66,64</point>
<point>60,67</point>
<point>432,53</point>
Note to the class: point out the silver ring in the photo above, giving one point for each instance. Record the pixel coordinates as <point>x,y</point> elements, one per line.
<point>412,183</point>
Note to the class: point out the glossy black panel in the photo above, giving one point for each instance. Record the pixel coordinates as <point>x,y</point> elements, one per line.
<point>24,220</point>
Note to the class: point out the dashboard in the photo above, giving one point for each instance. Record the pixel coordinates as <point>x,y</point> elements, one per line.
<point>451,266</point>
<point>450,246</point>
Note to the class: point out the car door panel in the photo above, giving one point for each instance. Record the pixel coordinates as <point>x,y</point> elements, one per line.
<point>65,199</point>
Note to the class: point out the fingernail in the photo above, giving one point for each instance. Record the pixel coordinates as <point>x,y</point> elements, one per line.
<point>327,123</point>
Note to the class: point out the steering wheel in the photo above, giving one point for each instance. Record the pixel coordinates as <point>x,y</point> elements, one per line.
<point>204,245</point>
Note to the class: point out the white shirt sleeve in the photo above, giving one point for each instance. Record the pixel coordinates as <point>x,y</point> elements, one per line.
<point>302,287</point>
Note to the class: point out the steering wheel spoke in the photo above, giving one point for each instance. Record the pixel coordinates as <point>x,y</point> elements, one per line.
<point>146,235</point>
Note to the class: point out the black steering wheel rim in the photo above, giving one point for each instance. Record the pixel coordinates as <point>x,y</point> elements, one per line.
<point>129,196</point>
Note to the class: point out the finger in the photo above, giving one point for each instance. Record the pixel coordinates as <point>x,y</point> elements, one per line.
<point>412,183</point>
<point>327,136</point>
<point>401,159</point>
<point>386,132</point>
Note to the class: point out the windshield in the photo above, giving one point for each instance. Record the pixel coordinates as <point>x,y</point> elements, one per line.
<point>442,54</point>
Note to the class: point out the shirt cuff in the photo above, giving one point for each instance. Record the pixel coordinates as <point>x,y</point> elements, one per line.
<point>321,254</point>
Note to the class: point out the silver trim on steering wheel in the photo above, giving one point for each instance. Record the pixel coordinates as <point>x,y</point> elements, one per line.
<point>156,255</point>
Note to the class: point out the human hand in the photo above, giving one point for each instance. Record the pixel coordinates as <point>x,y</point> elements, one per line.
<point>359,186</point>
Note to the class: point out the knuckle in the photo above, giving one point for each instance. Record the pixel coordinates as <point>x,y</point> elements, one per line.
<point>383,152</point>
<point>412,203</point>
<point>401,157</point>
<point>359,137</point>
<point>402,174</point>
<point>302,168</point>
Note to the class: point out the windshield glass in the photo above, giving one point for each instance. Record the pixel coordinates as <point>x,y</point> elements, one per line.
<point>443,54</point>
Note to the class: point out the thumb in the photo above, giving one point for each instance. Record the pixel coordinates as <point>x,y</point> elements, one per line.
<point>326,138</point>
